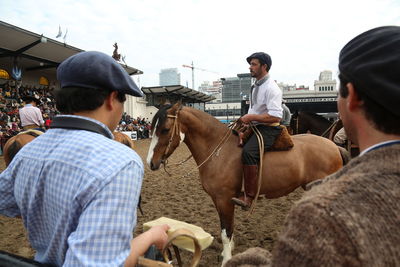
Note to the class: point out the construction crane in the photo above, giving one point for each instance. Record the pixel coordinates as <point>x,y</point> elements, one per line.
<point>193,68</point>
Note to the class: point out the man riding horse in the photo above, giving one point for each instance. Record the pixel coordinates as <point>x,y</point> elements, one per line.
<point>30,115</point>
<point>266,112</point>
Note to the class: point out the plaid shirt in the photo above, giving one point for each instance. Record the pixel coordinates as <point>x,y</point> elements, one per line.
<point>77,192</point>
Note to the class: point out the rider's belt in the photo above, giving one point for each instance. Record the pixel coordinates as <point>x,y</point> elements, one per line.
<point>30,126</point>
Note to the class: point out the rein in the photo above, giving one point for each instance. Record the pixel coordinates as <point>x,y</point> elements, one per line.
<point>175,131</point>
<point>296,130</point>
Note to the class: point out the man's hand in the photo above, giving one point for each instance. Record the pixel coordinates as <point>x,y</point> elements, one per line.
<point>247,118</point>
<point>159,235</point>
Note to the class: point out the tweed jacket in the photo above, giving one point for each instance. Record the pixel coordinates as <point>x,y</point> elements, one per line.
<point>351,219</point>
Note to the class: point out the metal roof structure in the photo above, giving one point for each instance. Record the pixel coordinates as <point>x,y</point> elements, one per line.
<point>176,92</point>
<point>36,52</point>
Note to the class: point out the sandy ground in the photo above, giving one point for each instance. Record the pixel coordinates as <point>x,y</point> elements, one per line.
<point>181,198</point>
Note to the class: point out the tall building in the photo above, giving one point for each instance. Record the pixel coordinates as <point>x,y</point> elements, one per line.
<point>325,82</point>
<point>170,77</point>
<point>235,89</point>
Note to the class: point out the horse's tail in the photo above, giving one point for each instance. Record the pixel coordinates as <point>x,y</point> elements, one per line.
<point>346,157</point>
<point>12,151</point>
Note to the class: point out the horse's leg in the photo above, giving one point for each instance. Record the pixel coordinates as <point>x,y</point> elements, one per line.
<point>226,212</point>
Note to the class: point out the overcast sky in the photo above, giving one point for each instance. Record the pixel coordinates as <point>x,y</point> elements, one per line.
<point>302,37</point>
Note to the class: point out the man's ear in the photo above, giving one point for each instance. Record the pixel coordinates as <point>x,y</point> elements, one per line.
<point>110,100</point>
<point>353,100</point>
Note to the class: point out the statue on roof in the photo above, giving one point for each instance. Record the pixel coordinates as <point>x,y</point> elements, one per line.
<point>115,55</point>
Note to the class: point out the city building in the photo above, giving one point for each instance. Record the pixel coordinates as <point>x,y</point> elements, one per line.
<point>235,89</point>
<point>325,82</point>
<point>287,87</point>
<point>170,77</point>
<point>213,89</point>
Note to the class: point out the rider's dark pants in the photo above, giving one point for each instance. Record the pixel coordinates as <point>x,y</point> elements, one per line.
<point>251,152</point>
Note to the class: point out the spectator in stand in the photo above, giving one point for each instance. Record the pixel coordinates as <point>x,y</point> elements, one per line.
<point>47,121</point>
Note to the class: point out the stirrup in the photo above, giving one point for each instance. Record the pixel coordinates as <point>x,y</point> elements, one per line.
<point>241,203</point>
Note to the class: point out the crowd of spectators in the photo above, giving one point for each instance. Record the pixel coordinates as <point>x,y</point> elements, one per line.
<point>11,94</point>
<point>141,125</point>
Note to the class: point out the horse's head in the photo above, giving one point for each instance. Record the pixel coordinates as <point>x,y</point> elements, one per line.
<point>166,135</point>
<point>294,122</point>
<point>309,122</point>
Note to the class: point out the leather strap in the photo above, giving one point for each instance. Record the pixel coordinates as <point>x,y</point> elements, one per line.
<point>72,123</point>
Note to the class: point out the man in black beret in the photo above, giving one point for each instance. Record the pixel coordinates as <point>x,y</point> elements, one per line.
<point>265,112</point>
<point>351,218</point>
<point>75,187</point>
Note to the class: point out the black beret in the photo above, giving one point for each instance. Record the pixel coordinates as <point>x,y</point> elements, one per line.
<point>96,70</point>
<point>264,58</point>
<point>372,62</point>
<point>30,98</point>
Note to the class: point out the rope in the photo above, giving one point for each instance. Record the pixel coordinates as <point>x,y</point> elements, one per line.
<point>329,128</point>
<point>261,149</point>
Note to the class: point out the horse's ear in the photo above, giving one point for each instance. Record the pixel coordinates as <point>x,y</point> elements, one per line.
<point>179,103</point>
<point>177,106</point>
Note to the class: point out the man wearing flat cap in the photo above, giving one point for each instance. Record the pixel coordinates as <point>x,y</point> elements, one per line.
<point>75,188</point>
<point>30,115</point>
<point>351,218</point>
<point>266,112</point>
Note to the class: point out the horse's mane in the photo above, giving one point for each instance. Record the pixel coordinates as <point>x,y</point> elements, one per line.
<point>160,116</point>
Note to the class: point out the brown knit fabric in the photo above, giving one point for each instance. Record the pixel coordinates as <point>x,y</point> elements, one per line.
<point>253,257</point>
<point>351,219</point>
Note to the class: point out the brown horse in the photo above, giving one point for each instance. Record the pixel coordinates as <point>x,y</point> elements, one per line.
<point>308,122</point>
<point>15,143</point>
<point>218,157</point>
<point>124,139</point>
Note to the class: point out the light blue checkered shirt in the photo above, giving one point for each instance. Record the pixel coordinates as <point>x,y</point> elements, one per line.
<point>77,192</point>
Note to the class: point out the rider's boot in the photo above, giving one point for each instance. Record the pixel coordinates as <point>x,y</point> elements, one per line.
<point>250,187</point>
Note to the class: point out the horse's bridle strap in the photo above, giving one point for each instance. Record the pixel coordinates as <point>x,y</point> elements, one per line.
<point>175,131</point>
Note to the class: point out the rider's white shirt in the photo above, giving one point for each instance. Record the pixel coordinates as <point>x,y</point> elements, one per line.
<point>267,99</point>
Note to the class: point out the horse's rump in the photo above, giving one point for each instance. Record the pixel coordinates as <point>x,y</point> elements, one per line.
<point>124,139</point>
<point>15,143</point>
<point>307,151</point>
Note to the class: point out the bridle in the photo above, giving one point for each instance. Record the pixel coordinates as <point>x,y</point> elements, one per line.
<point>296,120</point>
<point>176,130</point>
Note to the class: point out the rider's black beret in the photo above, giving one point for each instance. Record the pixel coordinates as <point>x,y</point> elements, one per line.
<point>372,62</point>
<point>95,70</point>
<point>264,58</point>
<point>30,98</point>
